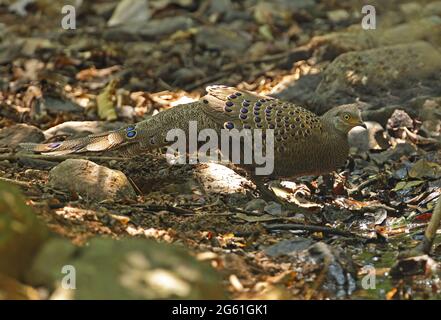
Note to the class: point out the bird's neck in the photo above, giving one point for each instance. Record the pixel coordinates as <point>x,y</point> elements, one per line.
<point>336,143</point>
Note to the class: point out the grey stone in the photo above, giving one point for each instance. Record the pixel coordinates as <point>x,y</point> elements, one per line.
<point>91,180</point>
<point>256,206</point>
<point>394,153</point>
<point>377,69</point>
<point>221,38</point>
<point>126,269</point>
<point>21,232</point>
<point>338,15</point>
<point>288,247</point>
<point>56,105</point>
<point>130,11</point>
<point>150,30</point>
<point>332,44</point>
<point>14,135</point>
<point>273,208</point>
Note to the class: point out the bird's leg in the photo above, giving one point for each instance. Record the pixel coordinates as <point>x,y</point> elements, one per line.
<point>265,193</point>
<point>269,195</point>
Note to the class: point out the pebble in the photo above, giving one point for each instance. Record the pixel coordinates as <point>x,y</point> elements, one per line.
<point>91,180</point>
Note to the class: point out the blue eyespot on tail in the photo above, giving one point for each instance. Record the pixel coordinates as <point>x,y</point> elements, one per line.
<point>131,134</point>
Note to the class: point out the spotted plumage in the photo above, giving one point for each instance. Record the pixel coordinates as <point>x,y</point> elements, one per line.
<point>304,143</point>
<point>244,110</point>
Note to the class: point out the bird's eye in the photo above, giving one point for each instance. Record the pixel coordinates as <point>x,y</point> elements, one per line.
<point>346,117</point>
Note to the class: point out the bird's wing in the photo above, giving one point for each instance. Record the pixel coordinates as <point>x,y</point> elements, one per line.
<point>233,108</point>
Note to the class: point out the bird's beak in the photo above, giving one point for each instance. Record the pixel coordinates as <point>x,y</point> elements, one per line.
<point>362,124</point>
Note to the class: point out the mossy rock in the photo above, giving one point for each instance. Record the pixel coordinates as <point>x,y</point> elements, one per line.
<point>21,234</point>
<point>124,269</point>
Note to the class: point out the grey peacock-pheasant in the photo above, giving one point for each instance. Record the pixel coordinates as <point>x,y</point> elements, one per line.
<point>304,143</point>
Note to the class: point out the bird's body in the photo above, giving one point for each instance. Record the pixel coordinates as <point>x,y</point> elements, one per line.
<point>304,143</point>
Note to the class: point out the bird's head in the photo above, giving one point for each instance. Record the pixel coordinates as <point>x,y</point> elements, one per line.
<point>344,118</point>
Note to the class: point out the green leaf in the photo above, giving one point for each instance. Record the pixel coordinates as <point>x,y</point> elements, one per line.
<point>106,107</point>
<point>407,185</point>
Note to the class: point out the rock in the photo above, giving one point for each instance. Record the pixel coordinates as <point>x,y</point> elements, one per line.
<point>12,136</point>
<point>399,119</point>
<point>256,206</point>
<point>221,38</point>
<point>394,153</point>
<point>56,105</point>
<point>150,30</point>
<point>288,247</point>
<point>21,232</point>
<point>270,13</point>
<point>216,178</point>
<point>373,70</point>
<point>301,90</point>
<point>273,208</point>
<point>427,29</point>
<point>411,9</point>
<point>430,109</point>
<point>338,15</point>
<point>296,5</point>
<point>220,7</point>
<point>366,139</point>
<point>432,8</point>
<point>382,114</point>
<point>126,269</point>
<point>90,180</point>
<point>130,11</point>
<point>331,45</point>
<point>160,5</point>
<point>430,115</point>
<point>341,270</point>
<point>184,76</point>
<point>258,50</point>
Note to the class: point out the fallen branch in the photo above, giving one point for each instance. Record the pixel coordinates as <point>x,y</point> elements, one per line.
<point>430,234</point>
<point>154,207</point>
<point>363,185</point>
<point>16,182</point>
<point>305,227</point>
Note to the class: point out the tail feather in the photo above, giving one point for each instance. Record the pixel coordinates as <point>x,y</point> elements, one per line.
<point>95,143</point>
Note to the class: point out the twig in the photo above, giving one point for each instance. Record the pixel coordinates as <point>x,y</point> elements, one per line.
<point>134,185</point>
<point>363,185</point>
<point>155,207</point>
<point>295,226</point>
<point>416,138</point>
<point>16,182</point>
<point>430,234</point>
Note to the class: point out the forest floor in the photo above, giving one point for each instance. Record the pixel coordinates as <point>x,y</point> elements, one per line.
<point>301,51</point>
